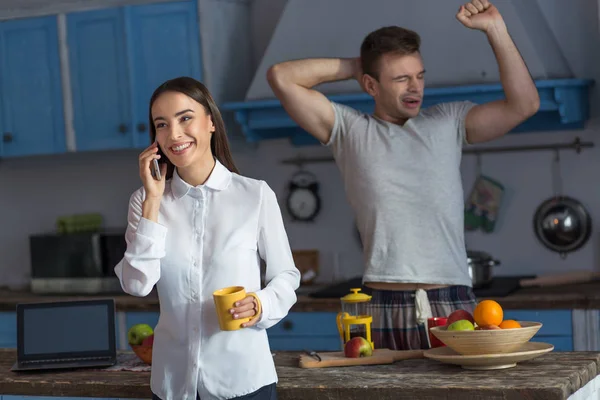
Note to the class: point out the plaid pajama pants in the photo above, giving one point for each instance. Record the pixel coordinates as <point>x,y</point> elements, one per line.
<point>394,315</point>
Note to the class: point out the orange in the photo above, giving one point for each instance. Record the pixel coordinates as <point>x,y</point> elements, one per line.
<point>509,324</point>
<point>488,312</point>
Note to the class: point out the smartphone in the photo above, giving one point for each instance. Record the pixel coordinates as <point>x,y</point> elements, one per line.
<point>156,166</point>
<point>156,170</point>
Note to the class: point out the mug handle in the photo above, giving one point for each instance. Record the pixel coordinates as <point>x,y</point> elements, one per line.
<point>258,306</point>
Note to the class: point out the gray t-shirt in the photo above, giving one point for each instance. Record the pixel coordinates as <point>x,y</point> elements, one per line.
<point>405,187</point>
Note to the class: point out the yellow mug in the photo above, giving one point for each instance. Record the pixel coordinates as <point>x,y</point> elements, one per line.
<point>224,301</point>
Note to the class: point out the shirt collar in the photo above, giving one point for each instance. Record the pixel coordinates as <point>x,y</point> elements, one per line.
<point>218,179</point>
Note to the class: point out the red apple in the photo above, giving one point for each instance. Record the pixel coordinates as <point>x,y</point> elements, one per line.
<point>458,315</point>
<point>149,341</point>
<point>358,347</point>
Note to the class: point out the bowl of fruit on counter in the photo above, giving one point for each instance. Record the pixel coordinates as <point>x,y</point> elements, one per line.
<point>141,340</point>
<point>485,331</point>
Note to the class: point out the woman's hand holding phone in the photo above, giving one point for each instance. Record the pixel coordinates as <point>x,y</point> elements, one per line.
<point>154,187</point>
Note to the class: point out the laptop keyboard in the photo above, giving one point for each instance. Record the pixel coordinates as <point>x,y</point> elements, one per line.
<point>62,360</point>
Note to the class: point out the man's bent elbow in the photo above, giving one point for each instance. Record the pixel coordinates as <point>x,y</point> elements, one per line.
<point>275,76</point>
<point>531,106</point>
<point>526,108</point>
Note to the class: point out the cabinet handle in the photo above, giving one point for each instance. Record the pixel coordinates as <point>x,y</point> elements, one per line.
<point>123,128</point>
<point>7,137</point>
<point>141,127</point>
<point>288,325</point>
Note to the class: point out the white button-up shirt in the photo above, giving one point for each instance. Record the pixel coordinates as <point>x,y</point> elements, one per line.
<point>209,237</point>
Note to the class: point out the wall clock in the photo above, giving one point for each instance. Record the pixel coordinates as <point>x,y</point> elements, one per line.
<point>303,201</point>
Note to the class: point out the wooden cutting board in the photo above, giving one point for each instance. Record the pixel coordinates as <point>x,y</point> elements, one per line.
<point>338,359</point>
<point>565,278</point>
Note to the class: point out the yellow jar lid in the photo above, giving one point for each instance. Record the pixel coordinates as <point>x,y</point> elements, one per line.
<point>356,297</point>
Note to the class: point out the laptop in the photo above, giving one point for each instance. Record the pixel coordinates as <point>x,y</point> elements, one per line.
<point>65,334</point>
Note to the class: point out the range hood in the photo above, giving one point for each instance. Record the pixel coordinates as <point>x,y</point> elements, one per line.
<point>460,63</point>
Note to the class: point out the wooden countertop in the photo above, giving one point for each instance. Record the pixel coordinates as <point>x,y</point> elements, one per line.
<point>555,375</point>
<point>581,296</point>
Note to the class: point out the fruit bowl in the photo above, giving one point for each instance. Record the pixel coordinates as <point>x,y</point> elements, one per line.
<point>143,352</point>
<point>496,341</point>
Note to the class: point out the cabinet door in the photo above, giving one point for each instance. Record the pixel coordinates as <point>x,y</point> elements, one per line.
<point>100,84</point>
<point>165,44</point>
<point>557,327</point>
<point>8,329</point>
<point>32,105</point>
<point>305,330</point>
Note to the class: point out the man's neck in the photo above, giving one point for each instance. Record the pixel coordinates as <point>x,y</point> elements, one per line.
<point>379,113</point>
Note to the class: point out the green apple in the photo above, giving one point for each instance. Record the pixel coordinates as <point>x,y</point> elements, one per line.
<point>461,325</point>
<point>137,333</point>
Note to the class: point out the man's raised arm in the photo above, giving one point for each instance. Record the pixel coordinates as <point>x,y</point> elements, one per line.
<point>292,83</point>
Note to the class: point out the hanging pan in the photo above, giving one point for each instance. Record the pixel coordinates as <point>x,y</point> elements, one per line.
<point>561,223</point>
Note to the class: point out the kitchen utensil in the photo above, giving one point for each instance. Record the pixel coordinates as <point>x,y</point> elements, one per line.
<point>528,351</point>
<point>480,267</point>
<point>224,300</point>
<point>487,341</point>
<point>567,278</point>
<point>313,354</point>
<point>338,359</point>
<point>561,223</point>
<point>354,319</point>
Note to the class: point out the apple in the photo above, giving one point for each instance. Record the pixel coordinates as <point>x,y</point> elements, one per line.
<point>461,325</point>
<point>487,327</point>
<point>458,315</point>
<point>149,341</point>
<point>358,347</point>
<point>137,333</point>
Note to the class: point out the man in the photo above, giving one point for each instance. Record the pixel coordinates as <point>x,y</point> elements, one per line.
<point>401,165</point>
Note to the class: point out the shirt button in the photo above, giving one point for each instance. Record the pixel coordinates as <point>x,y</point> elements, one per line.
<point>196,330</point>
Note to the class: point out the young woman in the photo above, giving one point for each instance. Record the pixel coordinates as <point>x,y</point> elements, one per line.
<point>200,228</point>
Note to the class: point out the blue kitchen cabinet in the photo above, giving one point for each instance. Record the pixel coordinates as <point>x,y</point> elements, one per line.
<point>305,330</point>
<point>117,57</point>
<point>31,113</point>
<point>99,79</point>
<point>165,44</point>
<point>318,331</point>
<point>297,331</point>
<point>557,326</point>
<point>8,329</point>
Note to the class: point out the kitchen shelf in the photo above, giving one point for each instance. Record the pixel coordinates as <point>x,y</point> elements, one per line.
<point>564,105</point>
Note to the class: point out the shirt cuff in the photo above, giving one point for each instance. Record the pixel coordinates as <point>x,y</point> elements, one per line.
<point>151,229</point>
<point>265,306</point>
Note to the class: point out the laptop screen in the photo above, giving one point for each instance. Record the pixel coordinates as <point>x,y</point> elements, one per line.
<point>66,329</point>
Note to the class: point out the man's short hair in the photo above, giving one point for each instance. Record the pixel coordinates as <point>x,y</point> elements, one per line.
<point>389,39</point>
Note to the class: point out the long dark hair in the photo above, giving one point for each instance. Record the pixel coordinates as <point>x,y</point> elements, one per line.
<point>219,144</point>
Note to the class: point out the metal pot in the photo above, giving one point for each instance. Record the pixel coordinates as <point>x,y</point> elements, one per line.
<point>562,224</point>
<point>480,267</point>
